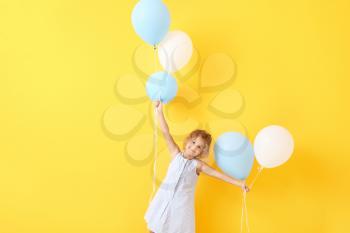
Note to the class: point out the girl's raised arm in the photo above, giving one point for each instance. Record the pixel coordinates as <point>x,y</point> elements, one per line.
<point>172,146</point>
<point>205,168</point>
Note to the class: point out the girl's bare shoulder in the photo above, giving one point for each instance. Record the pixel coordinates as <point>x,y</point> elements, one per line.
<point>200,164</point>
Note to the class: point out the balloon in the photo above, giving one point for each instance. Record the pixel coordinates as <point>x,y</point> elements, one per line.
<point>175,51</point>
<point>234,154</point>
<point>273,146</point>
<point>161,86</point>
<point>151,20</point>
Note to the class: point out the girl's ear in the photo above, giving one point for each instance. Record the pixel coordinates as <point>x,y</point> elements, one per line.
<point>204,154</point>
<point>206,150</point>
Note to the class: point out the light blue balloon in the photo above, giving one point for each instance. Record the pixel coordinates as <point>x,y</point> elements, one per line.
<point>234,154</point>
<point>151,20</point>
<point>161,86</point>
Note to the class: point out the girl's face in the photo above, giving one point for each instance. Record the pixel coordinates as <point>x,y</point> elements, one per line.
<point>194,147</point>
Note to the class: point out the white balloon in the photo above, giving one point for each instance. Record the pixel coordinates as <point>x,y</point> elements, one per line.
<point>273,146</point>
<point>175,51</point>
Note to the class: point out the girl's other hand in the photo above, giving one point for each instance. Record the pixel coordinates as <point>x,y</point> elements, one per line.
<point>158,105</point>
<point>245,187</point>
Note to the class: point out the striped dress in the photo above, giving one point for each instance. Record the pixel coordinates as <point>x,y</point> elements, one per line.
<point>172,208</point>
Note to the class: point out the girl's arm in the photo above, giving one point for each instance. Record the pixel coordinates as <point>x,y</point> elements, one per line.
<point>172,146</point>
<point>205,168</point>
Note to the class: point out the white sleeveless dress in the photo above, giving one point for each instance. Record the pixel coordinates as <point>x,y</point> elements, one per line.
<point>172,208</point>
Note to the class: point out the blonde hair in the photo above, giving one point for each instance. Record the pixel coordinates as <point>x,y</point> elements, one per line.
<point>205,136</point>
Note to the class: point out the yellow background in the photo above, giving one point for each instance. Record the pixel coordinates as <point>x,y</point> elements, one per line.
<point>59,61</point>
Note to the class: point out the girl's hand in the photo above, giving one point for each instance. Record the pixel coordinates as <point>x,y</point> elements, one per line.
<point>158,105</point>
<point>245,187</point>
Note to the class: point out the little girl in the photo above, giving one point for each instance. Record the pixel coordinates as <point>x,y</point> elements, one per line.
<point>172,208</point>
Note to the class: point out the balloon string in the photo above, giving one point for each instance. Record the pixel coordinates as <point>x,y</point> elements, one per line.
<point>256,176</point>
<point>244,210</point>
<point>244,201</point>
<point>155,136</point>
<point>165,67</point>
<point>155,57</point>
<point>155,140</point>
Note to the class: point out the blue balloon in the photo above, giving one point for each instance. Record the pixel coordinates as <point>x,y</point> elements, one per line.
<point>234,154</point>
<point>161,86</point>
<point>151,20</point>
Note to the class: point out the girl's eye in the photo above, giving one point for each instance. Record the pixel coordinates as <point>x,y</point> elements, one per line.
<point>193,142</point>
<point>198,147</point>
